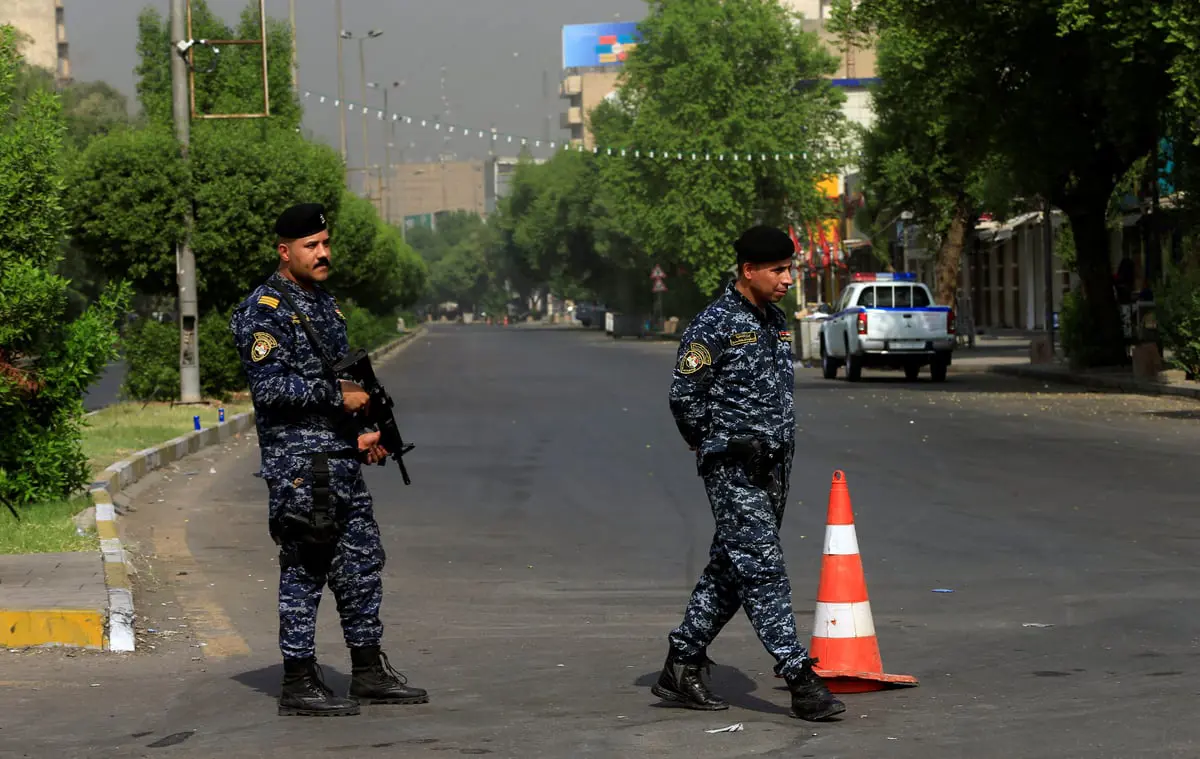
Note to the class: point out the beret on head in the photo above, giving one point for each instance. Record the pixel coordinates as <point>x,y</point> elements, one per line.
<point>303,220</point>
<point>763,244</point>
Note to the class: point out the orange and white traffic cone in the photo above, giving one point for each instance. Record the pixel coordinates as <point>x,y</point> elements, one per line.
<point>843,639</point>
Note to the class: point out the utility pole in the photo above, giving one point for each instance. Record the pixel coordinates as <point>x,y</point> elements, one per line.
<point>1048,244</point>
<point>295,61</point>
<point>185,260</point>
<point>341,81</point>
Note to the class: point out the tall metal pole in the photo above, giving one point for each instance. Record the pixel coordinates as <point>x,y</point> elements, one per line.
<point>387,161</point>
<point>185,260</point>
<point>295,60</point>
<point>341,82</point>
<point>362,70</point>
<point>1048,245</point>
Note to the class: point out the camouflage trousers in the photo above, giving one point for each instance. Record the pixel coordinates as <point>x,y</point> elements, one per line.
<point>352,566</point>
<point>745,570</point>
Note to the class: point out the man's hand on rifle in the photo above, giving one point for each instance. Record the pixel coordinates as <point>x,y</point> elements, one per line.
<point>354,398</point>
<point>370,443</point>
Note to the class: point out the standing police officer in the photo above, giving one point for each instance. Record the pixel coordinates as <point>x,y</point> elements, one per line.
<point>731,396</point>
<point>289,333</point>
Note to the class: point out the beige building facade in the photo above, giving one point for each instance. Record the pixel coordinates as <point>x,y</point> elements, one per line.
<point>42,22</point>
<point>420,192</point>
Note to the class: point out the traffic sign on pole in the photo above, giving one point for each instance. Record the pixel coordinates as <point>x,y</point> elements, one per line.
<point>659,286</point>
<point>657,273</point>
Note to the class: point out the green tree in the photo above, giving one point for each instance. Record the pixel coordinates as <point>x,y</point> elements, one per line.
<point>719,78</point>
<point>919,156</point>
<point>1071,100</point>
<point>46,361</point>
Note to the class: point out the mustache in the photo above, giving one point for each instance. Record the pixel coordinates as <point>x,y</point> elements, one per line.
<point>322,263</point>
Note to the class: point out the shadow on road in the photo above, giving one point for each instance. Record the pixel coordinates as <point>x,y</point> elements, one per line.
<point>267,679</point>
<point>1186,414</point>
<point>730,684</point>
<point>957,382</point>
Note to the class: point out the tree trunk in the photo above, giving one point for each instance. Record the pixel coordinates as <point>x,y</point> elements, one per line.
<point>1103,338</point>
<point>949,263</point>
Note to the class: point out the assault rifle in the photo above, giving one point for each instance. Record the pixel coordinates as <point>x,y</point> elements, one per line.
<point>356,366</point>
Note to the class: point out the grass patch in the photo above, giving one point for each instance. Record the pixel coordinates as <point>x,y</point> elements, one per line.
<point>120,430</point>
<point>45,528</point>
<point>110,435</point>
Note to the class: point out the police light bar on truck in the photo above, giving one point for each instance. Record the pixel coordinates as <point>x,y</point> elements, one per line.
<point>906,276</point>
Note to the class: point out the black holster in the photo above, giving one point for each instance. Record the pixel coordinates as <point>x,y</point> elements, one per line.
<point>760,462</point>
<point>318,527</point>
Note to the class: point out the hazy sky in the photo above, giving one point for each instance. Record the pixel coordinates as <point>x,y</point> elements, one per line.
<point>502,59</point>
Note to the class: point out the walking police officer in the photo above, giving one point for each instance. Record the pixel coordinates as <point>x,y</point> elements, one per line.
<point>289,332</point>
<point>731,397</point>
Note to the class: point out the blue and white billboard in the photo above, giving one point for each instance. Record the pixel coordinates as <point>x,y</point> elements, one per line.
<point>587,45</point>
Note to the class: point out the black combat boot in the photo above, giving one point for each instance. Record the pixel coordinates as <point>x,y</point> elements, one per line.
<point>375,681</point>
<point>811,700</point>
<point>304,693</point>
<point>683,683</point>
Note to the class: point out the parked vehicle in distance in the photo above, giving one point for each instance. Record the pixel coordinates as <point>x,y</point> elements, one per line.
<point>887,321</point>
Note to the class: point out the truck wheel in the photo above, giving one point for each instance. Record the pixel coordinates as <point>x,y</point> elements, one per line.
<point>912,371</point>
<point>937,369</point>
<point>853,364</point>
<point>829,365</point>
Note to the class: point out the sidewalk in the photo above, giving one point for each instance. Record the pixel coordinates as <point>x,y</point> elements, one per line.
<point>53,597</point>
<point>85,599</point>
<point>1116,379</point>
<point>1010,356</point>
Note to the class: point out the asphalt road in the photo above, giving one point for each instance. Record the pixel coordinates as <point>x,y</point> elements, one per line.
<point>555,527</point>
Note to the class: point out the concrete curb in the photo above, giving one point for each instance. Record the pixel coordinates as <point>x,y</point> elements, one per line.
<point>120,623</point>
<point>1123,384</point>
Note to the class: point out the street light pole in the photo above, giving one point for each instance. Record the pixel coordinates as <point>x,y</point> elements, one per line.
<point>362,70</point>
<point>341,34</point>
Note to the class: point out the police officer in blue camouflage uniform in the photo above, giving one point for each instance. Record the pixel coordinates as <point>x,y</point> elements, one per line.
<point>289,333</point>
<point>731,397</point>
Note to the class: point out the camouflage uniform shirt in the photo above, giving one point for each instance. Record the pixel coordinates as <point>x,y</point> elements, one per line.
<point>297,404</point>
<point>734,376</point>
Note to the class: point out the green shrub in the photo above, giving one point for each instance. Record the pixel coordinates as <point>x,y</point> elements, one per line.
<point>152,357</point>
<point>366,330</point>
<point>47,359</point>
<point>1178,315</point>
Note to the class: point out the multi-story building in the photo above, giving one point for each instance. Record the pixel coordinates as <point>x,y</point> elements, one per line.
<point>856,65</point>
<point>420,192</point>
<point>41,22</point>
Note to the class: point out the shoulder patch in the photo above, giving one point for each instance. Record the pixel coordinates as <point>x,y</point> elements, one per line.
<point>338,311</point>
<point>695,359</point>
<point>742,338</point>
<point>295,319</point>
<point>264,343</point>
<point>785,335</point>
<point>268,300</point>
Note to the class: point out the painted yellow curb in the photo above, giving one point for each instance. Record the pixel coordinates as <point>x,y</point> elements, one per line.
<point>80,628</point>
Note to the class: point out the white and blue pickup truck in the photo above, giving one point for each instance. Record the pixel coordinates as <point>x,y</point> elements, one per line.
<point>887,321</point>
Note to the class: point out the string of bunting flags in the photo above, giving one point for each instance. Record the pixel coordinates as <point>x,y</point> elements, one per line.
<point>679,155</point>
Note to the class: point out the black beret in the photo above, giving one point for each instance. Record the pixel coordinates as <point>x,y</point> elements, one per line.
<point>303,220</point>
<point>763,244</point>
